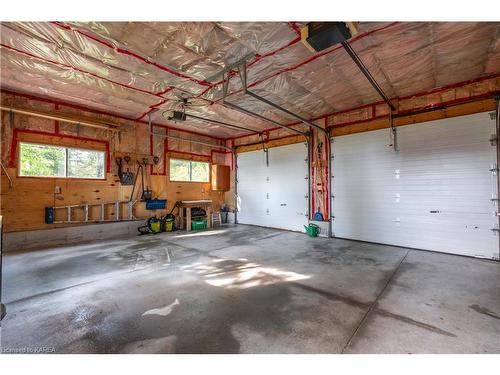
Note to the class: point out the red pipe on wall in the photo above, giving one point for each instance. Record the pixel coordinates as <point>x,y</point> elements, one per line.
<point>329,178</point>
<point>312,183</point>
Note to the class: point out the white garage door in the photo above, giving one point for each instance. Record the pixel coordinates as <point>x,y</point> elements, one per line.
<point>437,193</point>
<point>273,194</point>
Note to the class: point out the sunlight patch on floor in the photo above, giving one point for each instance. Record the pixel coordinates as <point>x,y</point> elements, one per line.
<point>241,274</point>
<point>198,234</point>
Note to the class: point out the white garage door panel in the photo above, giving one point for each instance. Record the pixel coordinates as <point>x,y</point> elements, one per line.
<point>288,187</point>
<point>251,188</point>
<point>387,197</point>
<point>274,195</point>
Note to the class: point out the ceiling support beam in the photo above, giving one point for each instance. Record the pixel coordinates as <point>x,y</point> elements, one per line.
<point>250,113</point>
<point>354,56</point>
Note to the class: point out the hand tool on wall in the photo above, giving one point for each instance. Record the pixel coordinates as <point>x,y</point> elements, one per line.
<point>126,178</point>
<point>146,192</point>
<point>134,185</point>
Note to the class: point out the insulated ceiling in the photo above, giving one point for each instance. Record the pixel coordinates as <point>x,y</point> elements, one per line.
<point>131,68</point>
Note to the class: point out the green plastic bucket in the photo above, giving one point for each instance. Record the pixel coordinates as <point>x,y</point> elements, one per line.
<point>198,224</point>
<point>312,230</point>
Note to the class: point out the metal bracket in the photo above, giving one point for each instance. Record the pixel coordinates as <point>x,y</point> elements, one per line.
<point>242,72</point>
<point>228,68</point>
<point>395,139</point>
<point>225,85</point>
<point>494,168</point>
<point>493,140</point>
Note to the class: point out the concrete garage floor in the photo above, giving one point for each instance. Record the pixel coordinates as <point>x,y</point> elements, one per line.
<point>244,289</point>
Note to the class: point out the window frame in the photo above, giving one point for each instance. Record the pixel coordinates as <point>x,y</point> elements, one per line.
<point>190,171</point>
<point>66,161</point>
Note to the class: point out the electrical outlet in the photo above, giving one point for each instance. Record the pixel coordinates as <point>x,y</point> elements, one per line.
<point>57,190</point>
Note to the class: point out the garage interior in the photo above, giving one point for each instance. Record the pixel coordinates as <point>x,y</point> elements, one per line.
<point>250,187</point>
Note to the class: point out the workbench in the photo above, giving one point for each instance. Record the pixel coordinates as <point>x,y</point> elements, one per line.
<point>206,204</point>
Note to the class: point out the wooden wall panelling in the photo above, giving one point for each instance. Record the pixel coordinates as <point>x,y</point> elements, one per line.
<point>23,207</point>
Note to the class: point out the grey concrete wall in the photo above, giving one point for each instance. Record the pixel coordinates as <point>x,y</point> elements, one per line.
<point>36,239</point>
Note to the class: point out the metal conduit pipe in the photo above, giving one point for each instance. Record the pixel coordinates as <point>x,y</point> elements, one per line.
<point>191,141</point>
<point>224,124</point>
<point>246,111</point>
<point>354,56</point>
<point>68,119</point>
<point>305,121</point>
<point>154,134</point>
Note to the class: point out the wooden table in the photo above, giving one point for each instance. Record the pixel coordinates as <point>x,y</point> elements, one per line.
<point>206,204</point>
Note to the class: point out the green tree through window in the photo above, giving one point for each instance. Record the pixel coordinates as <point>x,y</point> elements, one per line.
<point>56,161</point>
<point>189,171</point>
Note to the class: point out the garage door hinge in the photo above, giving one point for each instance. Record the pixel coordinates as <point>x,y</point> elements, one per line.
<point>494,169</point>
<point>493,115</point>
<point>306,178</point>
<point>493,139</point>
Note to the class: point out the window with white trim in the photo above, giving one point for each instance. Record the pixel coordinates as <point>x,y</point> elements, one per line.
<point>189,171</point>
